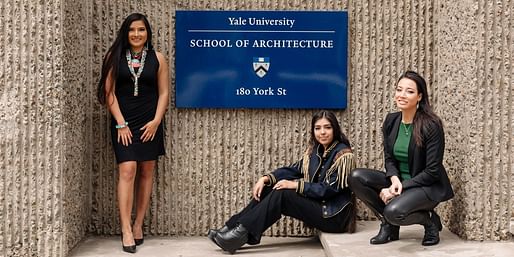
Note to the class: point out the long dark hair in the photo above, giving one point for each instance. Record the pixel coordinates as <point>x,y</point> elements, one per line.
<point>331,117</point>
<point>425,116</point>
<point>117,50</point>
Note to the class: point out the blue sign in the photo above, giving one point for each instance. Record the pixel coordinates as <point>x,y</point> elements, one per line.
<point>261,59</point>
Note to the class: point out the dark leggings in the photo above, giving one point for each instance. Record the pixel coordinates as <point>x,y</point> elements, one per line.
<point>258,216</point>
<point>412,206</point>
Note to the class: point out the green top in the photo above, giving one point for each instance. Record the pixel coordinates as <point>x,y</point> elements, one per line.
<point>401,149</point>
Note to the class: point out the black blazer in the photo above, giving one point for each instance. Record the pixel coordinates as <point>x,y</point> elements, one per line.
<point>425,162</point>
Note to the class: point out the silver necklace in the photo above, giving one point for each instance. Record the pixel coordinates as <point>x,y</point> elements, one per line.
<point>135,76</point>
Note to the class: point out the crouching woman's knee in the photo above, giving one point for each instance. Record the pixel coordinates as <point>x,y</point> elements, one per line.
<point>357,177</point>
<point>394,214</point>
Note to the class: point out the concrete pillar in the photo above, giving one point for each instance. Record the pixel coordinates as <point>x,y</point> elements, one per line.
<point>33,130</point>
<point>474,84</point>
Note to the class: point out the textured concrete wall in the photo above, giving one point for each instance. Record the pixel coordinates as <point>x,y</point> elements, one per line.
<point>58,174</point>
<point>475,88</point>
<point>32,132</point>
<point>78,101</point>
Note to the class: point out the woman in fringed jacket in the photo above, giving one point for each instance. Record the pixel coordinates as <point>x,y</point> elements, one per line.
<point>313,190</point>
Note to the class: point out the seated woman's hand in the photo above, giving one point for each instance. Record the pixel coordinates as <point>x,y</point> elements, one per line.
<point>285,184</point>
<point>257,188</point>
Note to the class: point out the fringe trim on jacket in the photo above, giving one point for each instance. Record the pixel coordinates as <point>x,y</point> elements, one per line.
<point>343,165</point>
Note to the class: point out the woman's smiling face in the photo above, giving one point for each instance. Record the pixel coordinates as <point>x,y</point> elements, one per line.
<point>323,132</point>
<point>137,35</point>
<point>406,95</point>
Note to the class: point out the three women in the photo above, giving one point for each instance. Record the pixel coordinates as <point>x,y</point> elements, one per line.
<point>134,86</point>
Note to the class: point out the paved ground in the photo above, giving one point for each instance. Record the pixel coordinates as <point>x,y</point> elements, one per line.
<point>409,245</point>
<point>331,245</point>
<point>199,246</point>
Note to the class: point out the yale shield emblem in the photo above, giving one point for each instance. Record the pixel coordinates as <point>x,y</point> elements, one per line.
<point>261,66</point>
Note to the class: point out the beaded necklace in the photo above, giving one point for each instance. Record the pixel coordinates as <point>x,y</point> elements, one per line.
<point>136,63</point>
<point>136,59</point>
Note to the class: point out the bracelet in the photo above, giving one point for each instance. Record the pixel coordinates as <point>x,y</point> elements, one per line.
<point>118,126</point>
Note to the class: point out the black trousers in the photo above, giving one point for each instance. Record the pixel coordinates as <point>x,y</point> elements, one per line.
<point>256,217</point>
<point>412,206</point>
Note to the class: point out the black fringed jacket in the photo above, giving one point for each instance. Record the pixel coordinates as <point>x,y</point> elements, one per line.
<point>322,176</point>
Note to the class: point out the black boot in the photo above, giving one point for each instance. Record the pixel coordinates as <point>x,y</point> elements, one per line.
<point>233,239</point>
<point>212,232</point>
<point>432,229</point>
<point>252,240</point>
<point>387,233</point>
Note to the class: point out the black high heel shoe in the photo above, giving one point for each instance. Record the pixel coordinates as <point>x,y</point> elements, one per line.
<point>139,241</point>
<point>128,249</point>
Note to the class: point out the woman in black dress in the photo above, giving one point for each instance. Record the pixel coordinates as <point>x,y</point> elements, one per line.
<point>134,87</point>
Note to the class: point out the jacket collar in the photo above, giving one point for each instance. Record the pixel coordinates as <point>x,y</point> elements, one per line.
<point>321,152</point>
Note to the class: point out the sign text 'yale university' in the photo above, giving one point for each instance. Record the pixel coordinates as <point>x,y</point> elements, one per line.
<point>261,59</point>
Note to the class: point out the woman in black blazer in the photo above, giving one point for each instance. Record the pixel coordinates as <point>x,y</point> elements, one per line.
<point>415,181</point>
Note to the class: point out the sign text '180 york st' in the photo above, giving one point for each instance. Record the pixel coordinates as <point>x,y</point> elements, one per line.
<point>261,91</point>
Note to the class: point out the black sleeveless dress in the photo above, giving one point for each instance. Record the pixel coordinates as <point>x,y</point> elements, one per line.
<point>137,111</point>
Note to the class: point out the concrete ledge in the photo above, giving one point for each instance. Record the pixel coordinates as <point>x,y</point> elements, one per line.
<point>154,246</point>
<point>409,245</point>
